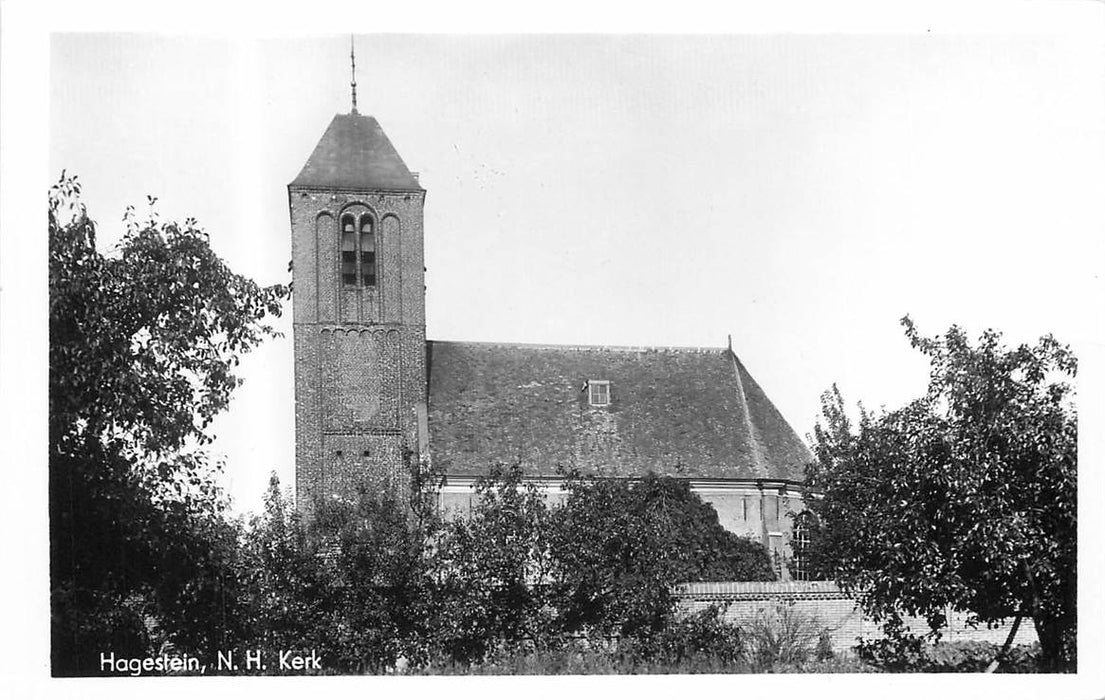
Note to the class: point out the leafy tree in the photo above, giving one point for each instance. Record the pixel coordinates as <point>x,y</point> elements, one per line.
<point>492,569</point>
<point>377,581</point>
<point>376,549</point>
<point>143,345</point>
<point>352,583</point>
<point>962,499</point>
<point>283,588</point>
<point>374,579</point>
<point>619,546</point>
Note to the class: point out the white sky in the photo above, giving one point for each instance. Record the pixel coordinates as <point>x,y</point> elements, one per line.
<point>801,191</point>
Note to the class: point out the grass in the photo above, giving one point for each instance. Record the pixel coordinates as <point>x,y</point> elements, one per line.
<point>582,661</point>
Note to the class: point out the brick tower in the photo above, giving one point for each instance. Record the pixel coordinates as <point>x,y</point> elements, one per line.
<point>358,311</point>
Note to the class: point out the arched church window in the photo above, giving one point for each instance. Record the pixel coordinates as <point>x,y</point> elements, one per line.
<point>800,545</point>
<point>348,250</point>
<point>368,252</point>
<point>358,251</point>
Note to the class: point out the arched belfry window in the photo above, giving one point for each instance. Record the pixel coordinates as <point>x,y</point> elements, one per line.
<point>349,250</point>
<point>358,251</point>
<point>368,252</point>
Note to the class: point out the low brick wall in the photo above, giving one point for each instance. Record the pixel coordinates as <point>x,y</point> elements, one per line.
<point>830,609</point>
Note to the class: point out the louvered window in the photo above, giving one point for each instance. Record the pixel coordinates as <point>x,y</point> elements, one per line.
<point>358,251</point>
<point>368,252</point>
<point>348,251</point>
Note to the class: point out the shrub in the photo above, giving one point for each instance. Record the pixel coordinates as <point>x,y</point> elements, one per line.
<point>1022,659</point>
<point>904,652</point>
<point>959,657</point>
<point>841,664</point>
<point>618,547</point>
<point>824,651</point>
<point>780,635</point>
<point>898,650</point>
<point>975,656</point>
<point>703,635</point>
<point>490,569</point>
<point>84,620</point>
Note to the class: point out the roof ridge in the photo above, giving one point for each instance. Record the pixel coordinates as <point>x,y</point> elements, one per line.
<point>585,346</point>
<point>770,413</point>
<point>754,439</point>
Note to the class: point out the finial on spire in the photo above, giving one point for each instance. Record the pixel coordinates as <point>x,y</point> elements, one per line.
<point>353,82</point>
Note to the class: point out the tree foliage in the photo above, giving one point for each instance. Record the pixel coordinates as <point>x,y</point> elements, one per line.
<point>964,499</point>
<point>619,546</point>
<point>373,586</point>
<point>352,584</point>
<point>493,569</point>
<point>283,592</point>
<point>143,345</point>
<point>377,573</point>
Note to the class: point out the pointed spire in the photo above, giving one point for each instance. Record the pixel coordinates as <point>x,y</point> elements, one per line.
<point>353,63</point>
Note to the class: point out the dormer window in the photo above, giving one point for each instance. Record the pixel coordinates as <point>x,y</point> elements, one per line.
<point>598,392</point>
<point>358,251</point>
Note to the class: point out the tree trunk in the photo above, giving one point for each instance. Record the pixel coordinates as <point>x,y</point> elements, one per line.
<point>1058,634</point>
<point>1005,647</point>
<point>1058,644</point>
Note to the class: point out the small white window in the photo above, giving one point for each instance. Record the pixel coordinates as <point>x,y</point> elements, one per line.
<point>599,392</point>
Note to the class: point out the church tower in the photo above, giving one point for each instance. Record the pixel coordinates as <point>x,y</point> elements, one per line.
<point>358,308</point>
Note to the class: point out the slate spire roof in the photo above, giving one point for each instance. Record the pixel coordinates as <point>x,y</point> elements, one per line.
<point>356,154</point>
<point>690,412</point>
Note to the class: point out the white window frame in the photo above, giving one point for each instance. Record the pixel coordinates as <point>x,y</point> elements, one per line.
<point>592,384</point>
<point>800,546</point>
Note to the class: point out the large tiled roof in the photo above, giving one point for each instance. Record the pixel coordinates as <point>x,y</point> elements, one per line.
<point>355,154</point>
<point>688,412</point>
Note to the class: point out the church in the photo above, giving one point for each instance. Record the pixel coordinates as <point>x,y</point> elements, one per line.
<point>369,383</point>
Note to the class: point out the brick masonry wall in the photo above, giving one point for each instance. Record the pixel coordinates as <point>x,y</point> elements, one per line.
<point>399,294</point>
<point>763,513</point>
<point>828,608</point>
<point>360,358</point>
